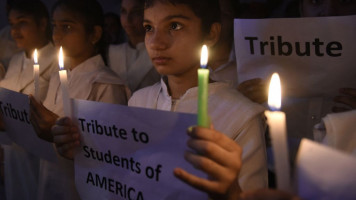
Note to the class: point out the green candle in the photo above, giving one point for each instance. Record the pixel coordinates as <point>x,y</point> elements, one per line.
<point>203,81</point>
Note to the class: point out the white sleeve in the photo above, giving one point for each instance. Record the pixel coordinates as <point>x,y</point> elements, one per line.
<point>253,173</point>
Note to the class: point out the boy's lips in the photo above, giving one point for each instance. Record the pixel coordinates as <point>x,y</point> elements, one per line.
<point>160,60</point>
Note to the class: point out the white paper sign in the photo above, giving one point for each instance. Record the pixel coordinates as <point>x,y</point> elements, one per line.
<point>130,153</point>
<point>14,108</point>
<point>314,56</point>
<point>325,173</point>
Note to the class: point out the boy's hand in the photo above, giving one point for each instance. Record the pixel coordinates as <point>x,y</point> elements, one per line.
<point>254,89</point>
<point>216,155</point>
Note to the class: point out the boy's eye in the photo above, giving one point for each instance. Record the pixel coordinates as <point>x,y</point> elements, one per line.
<point>147,28</point>
<point>176,26</point>
<point>67,27</point>
<point>22,22</point>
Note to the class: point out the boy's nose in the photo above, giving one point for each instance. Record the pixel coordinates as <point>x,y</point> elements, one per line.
<point>158,40</point>
<point>56,36</point>
<point>15,29</point>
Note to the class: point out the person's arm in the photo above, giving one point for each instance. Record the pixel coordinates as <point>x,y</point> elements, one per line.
<point>347,98</point>
<point>219,157</point>
<point>42,119</point>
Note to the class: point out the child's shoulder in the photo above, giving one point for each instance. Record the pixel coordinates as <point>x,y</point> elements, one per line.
<point>117,48</point>
<point>144,97</point>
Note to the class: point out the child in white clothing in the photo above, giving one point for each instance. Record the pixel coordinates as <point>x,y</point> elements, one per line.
<point>30,29</point>
<point>78,28</point>
<point>175,33</point>
<point>130,60</point>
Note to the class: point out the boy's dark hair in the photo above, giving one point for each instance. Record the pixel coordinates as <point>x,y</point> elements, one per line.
<point>91,14</point>
<point>207,10</point>
<point>34,8</point>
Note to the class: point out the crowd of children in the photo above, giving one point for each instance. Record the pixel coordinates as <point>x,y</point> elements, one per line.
<point>156,69</point>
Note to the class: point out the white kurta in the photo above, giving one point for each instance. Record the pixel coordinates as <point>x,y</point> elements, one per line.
<point>19,75</point>
<point>21,167</point>
<point>134,66</point>
<point>230,112</point>
<point>227,72</point>
<point>91,80</point>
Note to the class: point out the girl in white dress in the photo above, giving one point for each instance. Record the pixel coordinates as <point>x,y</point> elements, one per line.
<point>30,30</point>
<point>77,27</point>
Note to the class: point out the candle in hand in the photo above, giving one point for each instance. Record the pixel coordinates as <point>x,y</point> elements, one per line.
<point>203,81</point>
<point>277,129</point>
<point>36,75</point>
<point>64,85</point>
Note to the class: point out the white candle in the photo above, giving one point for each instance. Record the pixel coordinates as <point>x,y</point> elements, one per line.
<point>277,129</point>
<point>36,76</point>
<point>64,86</point>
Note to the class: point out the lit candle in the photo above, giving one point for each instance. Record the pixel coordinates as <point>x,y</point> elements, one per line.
<point>203,81</point>
<point>36,76</point>
<point>64,85</point>
<point>277,129</point>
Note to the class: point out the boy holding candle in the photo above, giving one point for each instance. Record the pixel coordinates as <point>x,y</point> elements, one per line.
<point>30,30</point>
<point>78,28</point>
<point>173,39</point>
<point>175,33</point>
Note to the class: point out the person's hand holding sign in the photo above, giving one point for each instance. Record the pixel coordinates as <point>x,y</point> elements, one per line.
<point>254,89</point>
<point>65,137</point>
<point>41,119</point>
<point>348,98</point>
<point>219,157</point>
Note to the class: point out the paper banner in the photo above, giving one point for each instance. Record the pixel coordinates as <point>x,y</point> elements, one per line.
<point>313,56</point>
<point>130,153</point>
<point>14,107</point>
<point>325,173</point>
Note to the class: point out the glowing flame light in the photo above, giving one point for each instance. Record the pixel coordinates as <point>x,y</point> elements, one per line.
<point>204,56</point>
<point>35,56</point>
<point>274,93</point>
<point>60,59</point>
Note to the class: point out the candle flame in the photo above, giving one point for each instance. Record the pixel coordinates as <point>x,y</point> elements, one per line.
<point>60,59</point>
<point>204,56</point>
<point>35,57</point>
<point>274,93</point>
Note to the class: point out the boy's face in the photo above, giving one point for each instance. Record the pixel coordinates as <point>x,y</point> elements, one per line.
<point>131,16</point>
<point>24,30</point>
<point>316,8</point>
<point>173,38</point>
<point>70,33</point>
